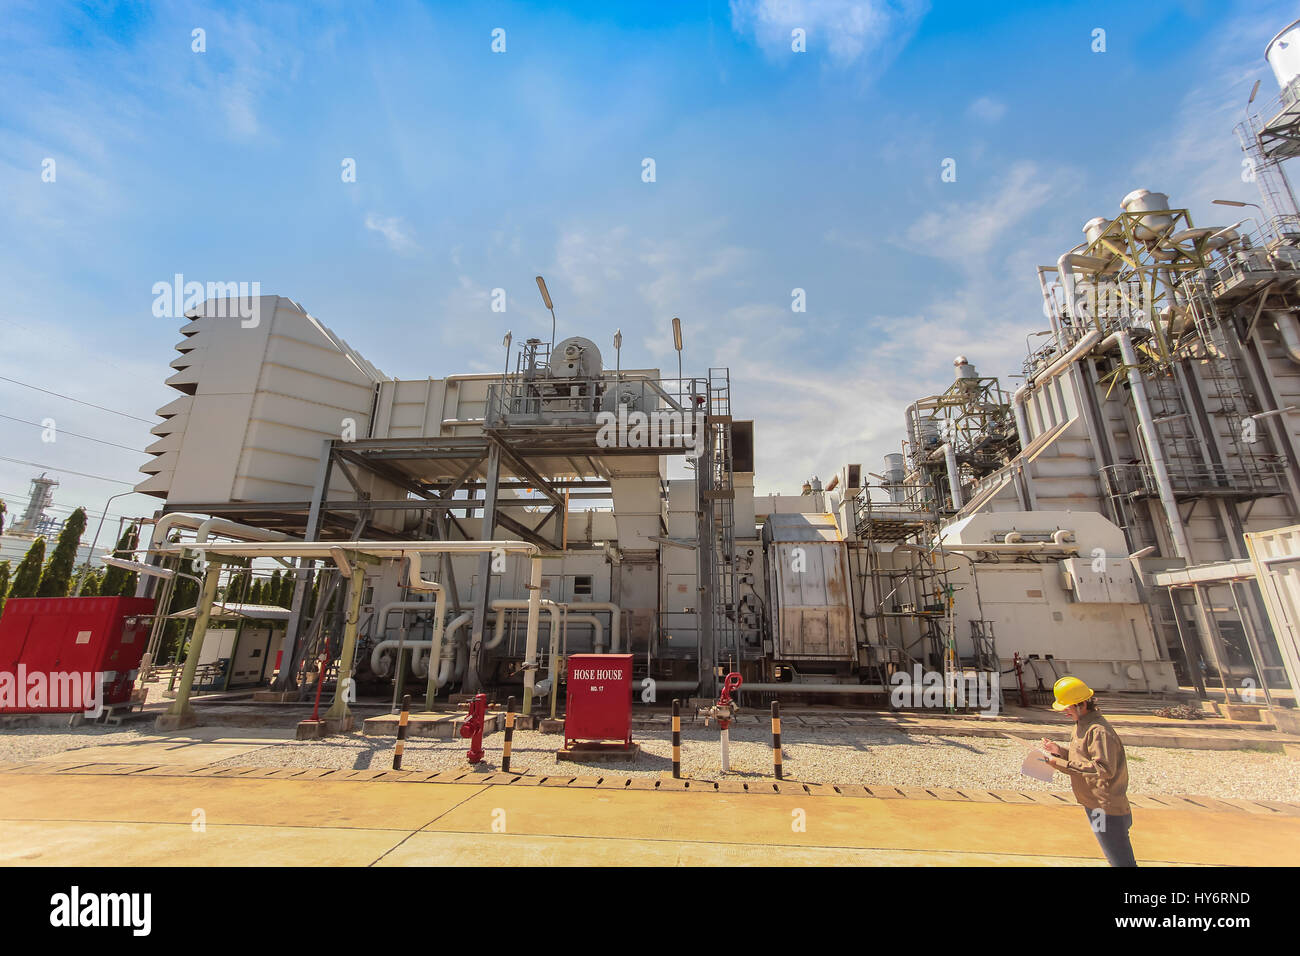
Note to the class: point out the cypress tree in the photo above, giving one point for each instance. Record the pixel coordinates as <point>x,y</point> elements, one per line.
<point>57,576</point>
<point>237,587</point>
<point>91,587</point>
<point>271,593</point>
<point>185,594</point>
<point>28,576</point>
<point>255,595</point>
<point>287,584</point>
<point>4,583</point>
<point>118,581</point>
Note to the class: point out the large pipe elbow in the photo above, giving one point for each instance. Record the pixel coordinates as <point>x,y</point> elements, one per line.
<point>1288,330</point>
<point>615,614</point>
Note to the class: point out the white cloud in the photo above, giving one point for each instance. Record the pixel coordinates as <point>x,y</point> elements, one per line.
<point>394,232</point>
<point>965,231</point>
<point>988,109</point>
<point>1196,157</point>
<point>849,31</point>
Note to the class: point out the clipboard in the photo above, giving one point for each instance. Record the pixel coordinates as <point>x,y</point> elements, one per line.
<point>1034,767</point>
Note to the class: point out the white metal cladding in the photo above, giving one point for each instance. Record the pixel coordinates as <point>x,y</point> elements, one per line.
<point>258,403</point>
<point>809,573</point>
<point>1276,557</point>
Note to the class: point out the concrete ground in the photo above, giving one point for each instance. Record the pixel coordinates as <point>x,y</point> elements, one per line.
<point>167,801</point>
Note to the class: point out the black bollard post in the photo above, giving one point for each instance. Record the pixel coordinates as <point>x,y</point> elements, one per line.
<point>776,737</point>
<point>677,739</point>
<point>401,732</point>
<point>510,734</point>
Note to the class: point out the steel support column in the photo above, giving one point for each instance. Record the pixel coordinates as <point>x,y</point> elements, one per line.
<point>285,680</point>
<point>180,713</point>
<point>339,710</point>
<point>483,585</point>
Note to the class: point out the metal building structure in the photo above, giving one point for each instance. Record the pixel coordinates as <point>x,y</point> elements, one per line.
<point>34,520</point>
<point>1094,522</point>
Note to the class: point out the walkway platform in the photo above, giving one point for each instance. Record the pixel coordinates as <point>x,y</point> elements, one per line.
<point>60,811</point>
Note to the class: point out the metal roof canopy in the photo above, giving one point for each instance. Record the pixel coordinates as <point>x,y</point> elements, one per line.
<point>234,612</point>
<point>326,549</point>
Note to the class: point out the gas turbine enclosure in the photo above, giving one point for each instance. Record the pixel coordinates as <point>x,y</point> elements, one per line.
<point>808,576</point>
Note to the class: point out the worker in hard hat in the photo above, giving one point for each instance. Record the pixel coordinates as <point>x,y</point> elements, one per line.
<point>1097,767</point>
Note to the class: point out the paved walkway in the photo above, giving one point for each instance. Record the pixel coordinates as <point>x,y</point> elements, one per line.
<point>161,802</point>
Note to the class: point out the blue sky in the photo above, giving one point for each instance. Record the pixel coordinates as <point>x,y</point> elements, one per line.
<point>477,170</point>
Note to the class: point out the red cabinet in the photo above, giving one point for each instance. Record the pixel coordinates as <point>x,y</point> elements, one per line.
<point>57,638</point>
<point>599,702</point>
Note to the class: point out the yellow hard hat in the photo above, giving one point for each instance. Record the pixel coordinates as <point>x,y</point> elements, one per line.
<point>1070,690</point>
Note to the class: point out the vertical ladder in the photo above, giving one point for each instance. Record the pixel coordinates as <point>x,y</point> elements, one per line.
<point>717,493</point>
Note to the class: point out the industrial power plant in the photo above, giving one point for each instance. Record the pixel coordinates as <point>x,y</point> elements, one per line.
<point>1125,515</point>
<point>555,590</point>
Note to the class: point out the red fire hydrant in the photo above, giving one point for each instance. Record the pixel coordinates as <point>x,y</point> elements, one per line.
<point>472,728</point>
<point>722,712</point>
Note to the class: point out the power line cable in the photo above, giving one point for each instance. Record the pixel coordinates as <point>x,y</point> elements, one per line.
<point>19,502</point>
<point>59,431</point>
<point>102,408</point>
<point>66,471</point>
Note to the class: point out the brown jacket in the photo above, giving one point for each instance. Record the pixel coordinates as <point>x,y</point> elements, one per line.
<point>1097,767</point>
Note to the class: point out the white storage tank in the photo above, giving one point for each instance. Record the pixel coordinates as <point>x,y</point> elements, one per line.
<point>1283,54</point>
<point>576,357</point>
<point>1144,200</point>
<point>1095,227</point>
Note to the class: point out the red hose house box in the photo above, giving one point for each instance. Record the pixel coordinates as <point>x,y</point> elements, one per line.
<point>599,702</point>
<point>57,638</point>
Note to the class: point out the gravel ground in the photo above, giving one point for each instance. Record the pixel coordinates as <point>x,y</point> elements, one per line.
<point>884,758</point>
<point>32,743</point>
<point>871,758</point>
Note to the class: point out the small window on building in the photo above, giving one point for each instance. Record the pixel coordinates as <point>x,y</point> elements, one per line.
<point>582,585</point>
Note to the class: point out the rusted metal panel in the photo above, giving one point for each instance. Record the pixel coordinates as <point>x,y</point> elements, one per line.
<point>809,575</point>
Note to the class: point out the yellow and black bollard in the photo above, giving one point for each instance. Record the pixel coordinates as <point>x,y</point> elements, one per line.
<point>510,734</point>
<point>776,737</point>
<point>677,739</point>
<point>401,732</point>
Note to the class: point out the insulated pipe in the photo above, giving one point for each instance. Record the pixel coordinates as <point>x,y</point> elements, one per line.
<point>1147,426</point>
<point>233,529</point>
<point>954,476</point>
<point>416,582</point>
<point>462,660</point>
<point>1013,537</point>
<point>1080,349</point>
<point>1289,331</point>
<point>800,688</point>
<point>670,686</point>
<point>449,635</point>
<point>530,647</point>
<point>1049,304</point>
<point>1022,425</point>
<point>503,605</point>
<point>598,641</point>
<point>163,526</point>
<point>998,547</point>
<point>1065,269</point>
<point>615,615</point>
<point>387,609</point>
